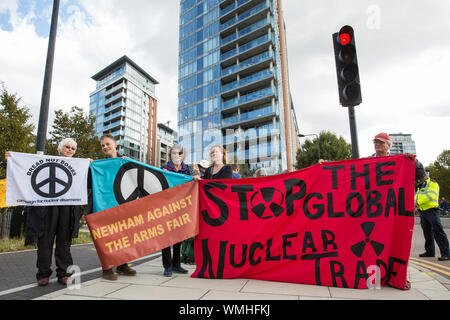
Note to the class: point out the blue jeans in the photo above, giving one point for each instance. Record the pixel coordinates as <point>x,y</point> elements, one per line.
<point>433,230</point>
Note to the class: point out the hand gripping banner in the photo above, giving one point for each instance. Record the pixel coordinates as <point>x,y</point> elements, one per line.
<point>334,224</point>
<point>138,228</point>
<point>38,180</point>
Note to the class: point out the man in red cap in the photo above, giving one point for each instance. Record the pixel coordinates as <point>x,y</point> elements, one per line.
<point>382,143</point>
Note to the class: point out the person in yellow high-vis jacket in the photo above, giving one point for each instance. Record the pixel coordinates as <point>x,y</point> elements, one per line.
<point>427,202</point>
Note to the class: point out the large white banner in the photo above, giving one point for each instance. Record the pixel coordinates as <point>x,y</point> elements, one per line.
<point>38,180</point>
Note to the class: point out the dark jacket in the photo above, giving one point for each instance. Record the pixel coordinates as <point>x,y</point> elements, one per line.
<point>169,166</point>
<point>225,173</point>
<point>36,218</point>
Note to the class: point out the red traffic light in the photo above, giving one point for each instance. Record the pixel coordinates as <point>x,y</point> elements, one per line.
<point>345,38</point>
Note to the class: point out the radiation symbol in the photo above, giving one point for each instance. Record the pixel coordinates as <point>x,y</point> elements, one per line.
<point>268,200</point>
<point>358,249</point>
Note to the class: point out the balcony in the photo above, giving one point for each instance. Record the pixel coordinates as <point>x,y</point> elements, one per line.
<point>230,10</point>
<point>251,99</point>
<point>259,115</point>
<point>114,116</point>
<point>245,19</point>
<point>115,98</point>
<point>248,50</point>
<point>248,83</point>
<point>114,125</point>
<point>115,106</point>
<point>117,87</point>
<point>248,66</point>
<point>247,34</point>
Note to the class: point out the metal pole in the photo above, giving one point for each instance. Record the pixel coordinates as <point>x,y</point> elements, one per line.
<point>45,100</point>
<point>353,132</point>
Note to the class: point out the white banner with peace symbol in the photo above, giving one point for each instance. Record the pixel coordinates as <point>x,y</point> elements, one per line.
<point>38,180</point>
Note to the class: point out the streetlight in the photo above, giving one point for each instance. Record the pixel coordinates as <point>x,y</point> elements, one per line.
<point>318,141</point>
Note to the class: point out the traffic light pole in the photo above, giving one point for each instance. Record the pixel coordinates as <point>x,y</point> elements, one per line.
<point>45,100</point>
<point>353,132</point>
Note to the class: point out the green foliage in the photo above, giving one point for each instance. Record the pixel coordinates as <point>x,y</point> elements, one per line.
<point>332,148</point>
<point>16,133</point>
<point>80,127</point>
<point>440,172</point>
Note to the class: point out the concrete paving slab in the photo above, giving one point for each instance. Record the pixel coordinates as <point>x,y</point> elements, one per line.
<point>385,293</point>
<point>259,286</point>
<point>222,284</point>
<point>436,294</point>
<point>142,278</point>
<point>431,285</point>
<point>99,289</point>
<point>140,292</point>
<point>226,295</point>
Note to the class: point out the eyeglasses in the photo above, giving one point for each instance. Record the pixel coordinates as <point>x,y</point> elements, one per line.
<point>177,153</point>
<point>378,142</point>
<point>69,147</point>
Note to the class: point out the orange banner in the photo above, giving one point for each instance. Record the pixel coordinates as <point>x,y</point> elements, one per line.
<point>138,228</point>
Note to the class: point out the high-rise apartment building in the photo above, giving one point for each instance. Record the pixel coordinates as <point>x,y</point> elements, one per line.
<point>402,143</point>
<point>125,106</point>
<point>233,82</point>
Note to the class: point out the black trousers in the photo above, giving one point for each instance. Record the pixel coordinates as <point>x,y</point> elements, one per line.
<point>433,230</point>
<point>168,259</point>
<point>57,223</point>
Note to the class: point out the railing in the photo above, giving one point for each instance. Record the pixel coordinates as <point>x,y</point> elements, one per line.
<point>252,78</point>
<point>249,115</point>
<point>244,15</point>
<point>248,97</point>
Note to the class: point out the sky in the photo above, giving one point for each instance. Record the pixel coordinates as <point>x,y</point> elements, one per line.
<point>403,50</point>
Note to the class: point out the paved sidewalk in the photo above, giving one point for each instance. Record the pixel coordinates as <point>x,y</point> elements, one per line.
<point>150,284</point>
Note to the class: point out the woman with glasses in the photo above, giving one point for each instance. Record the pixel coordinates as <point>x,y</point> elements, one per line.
<point>172,263</point>
<point>54,224</point>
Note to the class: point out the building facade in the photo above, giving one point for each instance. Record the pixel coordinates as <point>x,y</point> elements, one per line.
<point>402,143</point>
<point>125,106</point>
<point>233,83</point>
<point>166,138</point>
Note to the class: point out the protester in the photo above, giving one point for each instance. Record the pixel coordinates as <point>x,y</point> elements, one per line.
<point>219,168</point>
<point>427,197</point>
<point>50,223</point>
<point>444,206</point>
<point>260,173</point>
<point>109,148</point>
<point>172,263</point>
<point>236,174</point>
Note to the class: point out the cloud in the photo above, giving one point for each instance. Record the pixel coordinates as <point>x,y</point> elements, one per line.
<point>403,53</point>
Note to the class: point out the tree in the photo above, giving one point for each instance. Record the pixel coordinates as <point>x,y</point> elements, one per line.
<point>331,148</point>
<point>80,127</point>
<point>16,133</point>
<point>440,172</point>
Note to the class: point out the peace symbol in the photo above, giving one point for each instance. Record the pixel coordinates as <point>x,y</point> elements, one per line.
<point>134,181</point>
<point>52,181</point>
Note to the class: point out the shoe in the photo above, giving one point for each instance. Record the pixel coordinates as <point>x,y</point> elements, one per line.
<point>444,258</point>
<point>179,269</point>
<point>63,280</point>
<point>109,275</point>
<point>43,282</point>
<point>168,272</point>
<point>426,255</point>
<point>125,270</point>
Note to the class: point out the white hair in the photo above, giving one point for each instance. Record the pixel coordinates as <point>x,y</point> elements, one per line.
<point>65,141</point>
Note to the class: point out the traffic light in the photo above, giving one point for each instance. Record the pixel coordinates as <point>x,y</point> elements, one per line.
<point>347,67</point>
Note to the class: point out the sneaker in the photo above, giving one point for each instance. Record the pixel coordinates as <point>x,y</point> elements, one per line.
<point>168,272</point>
<point>43,282</point>
<point>109,275</point>
<point>179,269</point>
<point>126,270</point>
<point>444,258</point>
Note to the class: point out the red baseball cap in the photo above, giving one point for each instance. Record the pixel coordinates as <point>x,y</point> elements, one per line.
<point>382,137</point>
